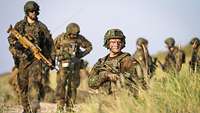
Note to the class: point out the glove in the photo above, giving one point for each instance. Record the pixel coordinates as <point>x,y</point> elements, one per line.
<point>18,45</point>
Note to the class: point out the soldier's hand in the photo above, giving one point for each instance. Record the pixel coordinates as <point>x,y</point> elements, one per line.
<point>18,45</point>
<point>113,77</point>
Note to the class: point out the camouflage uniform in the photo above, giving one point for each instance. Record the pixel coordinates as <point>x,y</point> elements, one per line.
<point>30,69</point>
<point>194,63</point>
<point>126,69</point>
<point>68,53</point>
<point>174,58</point>
<point>145,60</point>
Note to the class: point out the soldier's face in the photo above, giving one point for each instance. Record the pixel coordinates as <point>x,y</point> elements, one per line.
<point>170,48</point>
<point>32,14</point>
<point>115,45</point>
<point>194,46</point>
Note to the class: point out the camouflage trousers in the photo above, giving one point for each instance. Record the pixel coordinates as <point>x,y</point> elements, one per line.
<point>66,89</point>
<point>30,86</point>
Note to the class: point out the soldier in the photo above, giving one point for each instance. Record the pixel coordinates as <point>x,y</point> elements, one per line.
<point>69,51</point>
<point>174,58</point>
<point>194,63</point>
<point>143,57</point>
<point>30,69</point>
<point>117,69</point>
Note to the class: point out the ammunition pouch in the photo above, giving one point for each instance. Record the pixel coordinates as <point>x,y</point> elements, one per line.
<point>70,63</point>
<point>65,63</point>
<point>64,56</point>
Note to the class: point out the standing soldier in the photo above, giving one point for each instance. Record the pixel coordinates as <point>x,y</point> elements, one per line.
<point>145,60</point>
<point>30,69</point>
<point>174,58</point>
<point>194,63</point>
<point>117,69</point>
<point>68,53</point>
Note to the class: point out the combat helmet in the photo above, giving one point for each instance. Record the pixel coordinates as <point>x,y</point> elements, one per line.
<point>170,42</point>
<point>31,6</point>
<point>195,40</point>
<point>141,41</point>
<point>114,34</point>
<point>72,28</point>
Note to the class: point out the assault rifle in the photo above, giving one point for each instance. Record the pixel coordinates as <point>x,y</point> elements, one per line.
<point>121,77</point>
<point>29,45</point>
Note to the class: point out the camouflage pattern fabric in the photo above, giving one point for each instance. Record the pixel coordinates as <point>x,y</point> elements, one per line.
<point>139,55</point>
<point>69,54</point>
<point>174,60</point>
<point>127,68</point>
<point>31,71</point>
<point>195,60</point>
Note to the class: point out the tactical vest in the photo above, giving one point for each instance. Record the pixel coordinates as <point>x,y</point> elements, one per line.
<point>114,64</point>
<point>32,32</point>
<point>174,58</point>
<point>69,48</point>
<point>35,34</point>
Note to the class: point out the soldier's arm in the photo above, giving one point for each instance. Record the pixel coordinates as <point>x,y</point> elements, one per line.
<point>128,65</point>
<point>87,45</point>
<point>14,46</point>
<point>97,76</point>
<point>136,74</point>
<point>49,49</point>
<point>57,42</point>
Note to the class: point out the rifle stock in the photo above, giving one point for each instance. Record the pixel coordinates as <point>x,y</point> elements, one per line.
<point>29,45</point>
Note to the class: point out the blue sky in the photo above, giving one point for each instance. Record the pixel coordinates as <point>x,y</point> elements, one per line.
<point>151,19</point>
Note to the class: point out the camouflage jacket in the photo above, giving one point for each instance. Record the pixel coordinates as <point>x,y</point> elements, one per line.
<point>194,62</point>
<point>122,65</point>
<point>67,48</point>
<point>38,34</point>
<point>174,60</point>
<point>149,65</point>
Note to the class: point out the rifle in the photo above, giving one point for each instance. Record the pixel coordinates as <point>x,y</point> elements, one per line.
<point>108,68</point>
<point>29,45</point>
<point>121,77</point>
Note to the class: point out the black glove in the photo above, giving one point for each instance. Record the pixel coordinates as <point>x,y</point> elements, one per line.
<point>18,45</point>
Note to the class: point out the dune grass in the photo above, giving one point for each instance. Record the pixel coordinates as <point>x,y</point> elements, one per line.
<point>167,94</point>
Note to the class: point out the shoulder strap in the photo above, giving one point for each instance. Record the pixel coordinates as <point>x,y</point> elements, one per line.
<point>123,55</point>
